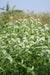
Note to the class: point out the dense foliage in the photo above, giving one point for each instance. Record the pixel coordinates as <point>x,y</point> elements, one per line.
<point>25,48</point>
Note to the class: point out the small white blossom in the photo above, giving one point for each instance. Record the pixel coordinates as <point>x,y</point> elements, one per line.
<point>32,37</point>
<point>43,39</point>
<point>13,39</point>
<point>4,52</point>
<point>18,40</point>
<point>27,46</point>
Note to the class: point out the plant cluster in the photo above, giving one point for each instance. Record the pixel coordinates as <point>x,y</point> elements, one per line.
<point>25,48</point>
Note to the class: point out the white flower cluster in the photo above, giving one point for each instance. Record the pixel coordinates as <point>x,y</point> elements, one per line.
<point>28,34</point>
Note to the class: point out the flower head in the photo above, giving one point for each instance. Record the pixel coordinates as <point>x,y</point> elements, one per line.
<point>11,17</point>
